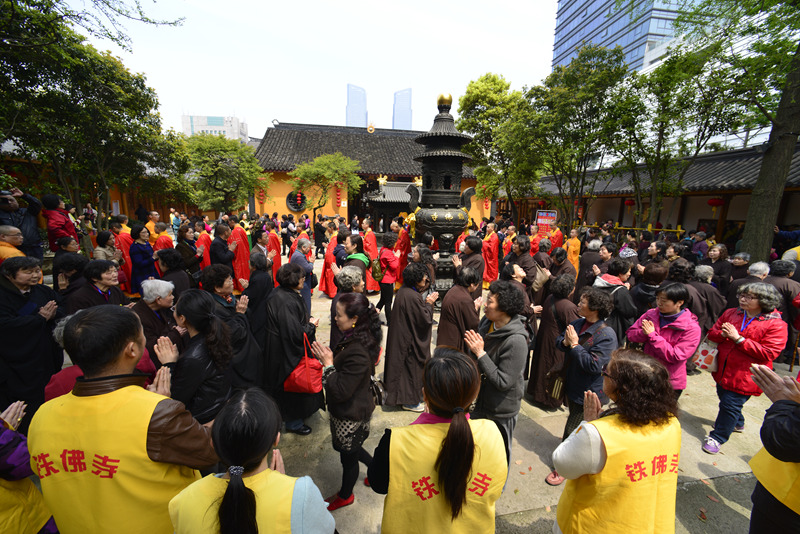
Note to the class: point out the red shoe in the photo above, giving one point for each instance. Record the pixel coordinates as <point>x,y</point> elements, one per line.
<point>338,502</point>
<point>366,481</point>
<point>554,479</point>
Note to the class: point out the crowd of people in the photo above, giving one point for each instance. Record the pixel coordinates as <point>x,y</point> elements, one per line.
<point>185,340</point>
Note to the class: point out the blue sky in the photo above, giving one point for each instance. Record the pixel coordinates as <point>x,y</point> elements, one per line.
<point>292,61</point>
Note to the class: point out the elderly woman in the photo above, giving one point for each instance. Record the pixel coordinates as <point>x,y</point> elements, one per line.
<point>346,377</point>
<point>501,347</point>
<point>348,280</point>
<point>142,258</point>
<point>106,250</point>
<point>421,253</point>
<point>520,255</point>
<point>615,283</point>
<point>670,332</point>
<point>605,483</point>
<point>460,310</point>
<point>200,373</point>
<point>247,362</point>
<point>718,260</point>
<point>156,316</point>
<point>644,293</point>
<point>28,313</point>
<point>170,263</point>
<point>588,344</point>
<point>189,249</point>
<point>300,258</point>
<point>408,343</point>
<point>449,447</point>
<point>558,311</point>
<point>471,256</point>
<point>101,287</point>
<point>739,265</point>
<point>257,290</point>
<point>711,300</point>
<point>753,333</point>
<point>290,330</point>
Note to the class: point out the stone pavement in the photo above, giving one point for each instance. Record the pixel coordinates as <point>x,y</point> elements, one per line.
<point>716,487</point>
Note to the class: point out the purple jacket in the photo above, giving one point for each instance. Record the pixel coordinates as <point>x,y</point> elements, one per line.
<point>671,345</point>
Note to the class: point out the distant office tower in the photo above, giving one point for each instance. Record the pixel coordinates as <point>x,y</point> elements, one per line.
<point>641,35</point>
<point>230,127</point>
<point>356,106</point>
<point>401,116</point>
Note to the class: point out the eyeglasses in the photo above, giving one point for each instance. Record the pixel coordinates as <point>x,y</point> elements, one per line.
<point>747,297</point>
<point>604,372</point>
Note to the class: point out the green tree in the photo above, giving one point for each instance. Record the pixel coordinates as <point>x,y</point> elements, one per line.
<point>757,43</point>
<point>501,157</point>
<point>225,172</point>
<point>567,125</point>
<point>661,121</point>
<point>319,177</point>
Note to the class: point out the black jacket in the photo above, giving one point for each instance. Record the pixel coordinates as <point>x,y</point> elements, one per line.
<point>199,383</point>
<point>347,389</point>
<point>221,254</point>
<point>25,220</point>
<point>247,361</point>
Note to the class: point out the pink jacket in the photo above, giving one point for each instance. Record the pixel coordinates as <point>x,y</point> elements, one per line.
<point>671,345</point>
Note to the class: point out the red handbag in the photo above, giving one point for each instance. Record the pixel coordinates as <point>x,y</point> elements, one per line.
<point>307,376</point>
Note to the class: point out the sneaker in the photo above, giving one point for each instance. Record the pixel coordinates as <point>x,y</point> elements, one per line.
<point>336,502</point>
<point>710,445</point>
<point>554,479</point>
<point>415,407</point>
<point>738,428</point>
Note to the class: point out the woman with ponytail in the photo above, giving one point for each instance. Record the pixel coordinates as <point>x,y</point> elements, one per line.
<point>346,377</point>
<point>201,376</point>
<point>445,472</point>
<point>254,494</point>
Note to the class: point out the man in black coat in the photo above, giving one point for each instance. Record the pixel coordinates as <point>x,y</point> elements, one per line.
<point>756,272</point>
<point>24,219</point>
<point>780,277</point>
<point>221,252</point>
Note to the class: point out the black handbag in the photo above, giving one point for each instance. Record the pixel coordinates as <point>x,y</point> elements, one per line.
<point>377,389</point>
<point>313,281</point>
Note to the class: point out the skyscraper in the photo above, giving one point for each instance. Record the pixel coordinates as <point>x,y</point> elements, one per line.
<point>600,22</point>
<point>401,114</point>
<point>356,106</point>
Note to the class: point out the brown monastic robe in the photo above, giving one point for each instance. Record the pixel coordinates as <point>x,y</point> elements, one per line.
<point>458,316</point>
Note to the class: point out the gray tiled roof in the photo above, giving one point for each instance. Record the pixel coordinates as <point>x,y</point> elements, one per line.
<point>392,192</point>
<point>389,152</point>
<point>720,171</point>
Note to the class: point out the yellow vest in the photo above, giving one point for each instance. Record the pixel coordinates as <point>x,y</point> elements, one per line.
<point>415,501</point>
<point>781,479</point>
<point>22,509</point>
<point>91,456</point>
<point>195,510</point>
<point>635,491</point>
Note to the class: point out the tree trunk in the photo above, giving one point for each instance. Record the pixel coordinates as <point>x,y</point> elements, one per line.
<point>765,199</point>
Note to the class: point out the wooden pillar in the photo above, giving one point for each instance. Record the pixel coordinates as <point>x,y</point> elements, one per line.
<point>723,216</point>
<point>681,212</point>
<point>621,216</point>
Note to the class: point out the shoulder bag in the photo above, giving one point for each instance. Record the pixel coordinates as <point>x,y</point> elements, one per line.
<point>307,376</point>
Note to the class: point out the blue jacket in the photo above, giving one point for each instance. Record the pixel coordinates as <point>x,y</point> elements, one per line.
<point>585,362</point>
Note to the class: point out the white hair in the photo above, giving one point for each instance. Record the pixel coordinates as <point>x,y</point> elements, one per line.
<point>154,289</point>
<point>594,244</point>
<point>759,268</point>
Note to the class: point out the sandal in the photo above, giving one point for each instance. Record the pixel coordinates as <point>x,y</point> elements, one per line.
<point>554,479</point>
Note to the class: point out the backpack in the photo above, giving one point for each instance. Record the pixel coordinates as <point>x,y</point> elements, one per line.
<point>377,272</point>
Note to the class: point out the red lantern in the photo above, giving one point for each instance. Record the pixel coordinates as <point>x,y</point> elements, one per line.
<point>715,203</point>
<point>542,203</point>
<point>630,202</point>
<point>576,203</point>
<point>486,204</point>
<point>338,197</point>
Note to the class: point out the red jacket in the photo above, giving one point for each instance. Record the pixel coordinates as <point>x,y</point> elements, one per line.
<point>796,304</point>
<point>389,263</point>
<point>765,338</point>
<point>59,225</point>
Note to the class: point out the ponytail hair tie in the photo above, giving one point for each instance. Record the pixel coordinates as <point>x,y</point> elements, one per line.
<point>458,409</point>
<point>236,470</point>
